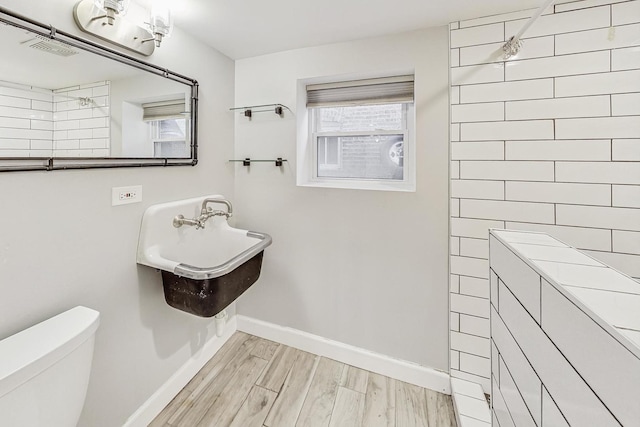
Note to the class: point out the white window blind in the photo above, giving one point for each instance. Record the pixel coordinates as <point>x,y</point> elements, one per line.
<point>174,109</point>
<point>386,90</point>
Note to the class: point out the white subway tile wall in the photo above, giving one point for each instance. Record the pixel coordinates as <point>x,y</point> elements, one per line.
<point>625,59</point>
<point>470,404</point>
<point>519,368</point>
<point>621,261</point>
<point>512,397</point>
<point>549,374</point>
<point>26,120</point>
<point>55,123</point>
<point>546,141</point>
<point>81,120</point>
<point>575,5</point>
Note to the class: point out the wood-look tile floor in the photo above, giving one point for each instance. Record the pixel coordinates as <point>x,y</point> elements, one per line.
<point>255,382</point>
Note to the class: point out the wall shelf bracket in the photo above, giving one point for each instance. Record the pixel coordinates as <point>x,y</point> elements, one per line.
<point>247,161</point>
<point>273,108</point>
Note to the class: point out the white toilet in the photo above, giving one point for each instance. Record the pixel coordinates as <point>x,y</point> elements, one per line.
<point>44,370</point>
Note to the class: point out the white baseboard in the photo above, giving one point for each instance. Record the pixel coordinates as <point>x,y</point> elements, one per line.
<point>399,369</point>
<point>161,398</point>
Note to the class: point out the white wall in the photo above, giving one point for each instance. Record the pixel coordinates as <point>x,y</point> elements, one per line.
<point>62,244</point>
<point>366,268</point>
<point>548,141</point>
<point>135,132</point>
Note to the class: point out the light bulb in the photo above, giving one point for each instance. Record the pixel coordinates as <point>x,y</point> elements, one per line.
<point>161,22</point>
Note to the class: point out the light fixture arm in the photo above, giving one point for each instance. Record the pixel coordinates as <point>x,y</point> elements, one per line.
<point>157,38</point>
<point>97,17</point>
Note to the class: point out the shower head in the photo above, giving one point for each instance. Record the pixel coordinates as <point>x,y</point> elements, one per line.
<point>54,47</point>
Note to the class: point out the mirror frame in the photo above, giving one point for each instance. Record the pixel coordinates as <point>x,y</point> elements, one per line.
<point>21,164</point>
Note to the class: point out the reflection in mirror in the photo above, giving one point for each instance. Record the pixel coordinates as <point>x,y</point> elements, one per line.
<point>149,117</point>
<point>60,100</point>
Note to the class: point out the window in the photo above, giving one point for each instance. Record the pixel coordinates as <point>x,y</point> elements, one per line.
<point>361,142</point>
<point>360,135</point>
<point>170,138</point>
<point>168,128</point>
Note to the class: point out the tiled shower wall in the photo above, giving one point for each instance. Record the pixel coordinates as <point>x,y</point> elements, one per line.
<point>547,141</point>
<point>82,129</point>
<point>41,124</point>
<point>544,372</point>
<point>26,120</point>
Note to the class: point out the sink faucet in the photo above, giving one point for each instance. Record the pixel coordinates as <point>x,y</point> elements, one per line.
<point>180,220</point>
<point>205,214</point>
<point>207,211</point>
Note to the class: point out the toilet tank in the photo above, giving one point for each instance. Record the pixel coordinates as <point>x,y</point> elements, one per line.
<point>44,370</point>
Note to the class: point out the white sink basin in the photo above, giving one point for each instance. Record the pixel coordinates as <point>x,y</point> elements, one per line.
<point>195,253</point>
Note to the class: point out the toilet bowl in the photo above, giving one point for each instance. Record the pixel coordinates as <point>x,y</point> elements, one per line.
<point>44,370</point>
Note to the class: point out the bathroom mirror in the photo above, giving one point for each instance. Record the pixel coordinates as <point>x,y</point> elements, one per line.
<point>69,103</point>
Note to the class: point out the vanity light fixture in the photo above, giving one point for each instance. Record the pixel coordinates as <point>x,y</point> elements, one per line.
<point>103,19</point>
<point>160,22</point>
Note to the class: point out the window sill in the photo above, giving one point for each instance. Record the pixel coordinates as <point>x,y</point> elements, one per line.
<point>350,184</point>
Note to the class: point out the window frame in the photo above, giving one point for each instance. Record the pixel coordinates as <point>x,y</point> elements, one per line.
<point>308,151</point>
<point>338,164</point>
<point>154,132</point>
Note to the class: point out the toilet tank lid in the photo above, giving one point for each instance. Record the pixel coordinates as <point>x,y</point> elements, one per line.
<point>29,352</point>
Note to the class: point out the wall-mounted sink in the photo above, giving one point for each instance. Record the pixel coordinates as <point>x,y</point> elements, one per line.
<point>205,263</point>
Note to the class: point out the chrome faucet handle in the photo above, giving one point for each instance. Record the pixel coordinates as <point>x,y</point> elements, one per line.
<point>202,219</point>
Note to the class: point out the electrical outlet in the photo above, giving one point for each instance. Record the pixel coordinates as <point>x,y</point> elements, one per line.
<point>126,195</point>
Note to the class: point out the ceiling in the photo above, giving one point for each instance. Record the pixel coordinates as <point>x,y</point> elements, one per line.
<point>246,28</point>
<point>27,63</point>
